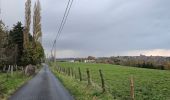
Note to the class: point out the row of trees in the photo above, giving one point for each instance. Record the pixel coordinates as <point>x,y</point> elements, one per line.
<point>142,62</point>
<point>33,50</point>
<point>17,45</point>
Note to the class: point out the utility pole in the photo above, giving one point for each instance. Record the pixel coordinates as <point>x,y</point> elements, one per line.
<point>51,55</point>
<point>55,52</point>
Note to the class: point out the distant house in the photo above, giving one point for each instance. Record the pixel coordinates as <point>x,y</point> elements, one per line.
<point>90,59</point>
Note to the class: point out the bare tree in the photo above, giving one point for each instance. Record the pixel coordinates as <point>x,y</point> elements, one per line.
<point>37,33</point>
<point>27,23</point>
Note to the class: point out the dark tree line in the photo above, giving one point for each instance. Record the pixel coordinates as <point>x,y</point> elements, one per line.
<point>142,62</point>
<point>12,50</point>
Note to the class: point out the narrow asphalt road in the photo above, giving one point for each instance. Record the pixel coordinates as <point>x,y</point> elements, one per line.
<point>44,86</point>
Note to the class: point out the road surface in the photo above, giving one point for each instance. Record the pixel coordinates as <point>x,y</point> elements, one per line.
<point>44,86</point>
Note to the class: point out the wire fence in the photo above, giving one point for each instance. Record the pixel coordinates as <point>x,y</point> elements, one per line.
<point>96,80</point>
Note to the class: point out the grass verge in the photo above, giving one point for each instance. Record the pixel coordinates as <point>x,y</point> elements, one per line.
<point>10,83</point>
<point>80,90</point>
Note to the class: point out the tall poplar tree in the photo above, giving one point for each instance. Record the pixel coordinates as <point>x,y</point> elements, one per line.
<point>27,23</point>
<point>37,33</point>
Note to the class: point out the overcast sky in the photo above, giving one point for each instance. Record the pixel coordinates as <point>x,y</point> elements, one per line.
<point>101,27</point>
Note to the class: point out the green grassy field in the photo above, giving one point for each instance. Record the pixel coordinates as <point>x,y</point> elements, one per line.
<point>149,84</point>
<point>10,84</point>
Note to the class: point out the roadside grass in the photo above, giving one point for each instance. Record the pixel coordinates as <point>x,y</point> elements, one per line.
<point>10,83</point>
<point>80,90</point>
<point>150,84</point>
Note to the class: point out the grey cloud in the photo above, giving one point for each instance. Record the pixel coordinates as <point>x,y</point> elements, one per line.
<point>102,27</point>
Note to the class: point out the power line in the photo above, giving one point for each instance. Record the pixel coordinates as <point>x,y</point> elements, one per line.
<point>65,19</point>
<point>63,22</point>
<point>66,10</point>
<point>69,5</point>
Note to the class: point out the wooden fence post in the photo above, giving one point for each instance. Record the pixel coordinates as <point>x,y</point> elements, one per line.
<point>72,71</point>
<point>66,71</point>
<point>59,69</point>
<point>56,68</point>
<point>102,80</point>
<point>9,68</point>
<point>132,88</point>
<point>69,71</point>
<point>16,67</point>
<point>4,69</point>
<point>75,73</point>
<point>88,77</point>
<point>63,70</point>
<point>12,70</point>
<point>80,74</point>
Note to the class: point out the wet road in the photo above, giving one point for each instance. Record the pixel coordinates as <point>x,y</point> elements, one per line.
<point>44,86</point>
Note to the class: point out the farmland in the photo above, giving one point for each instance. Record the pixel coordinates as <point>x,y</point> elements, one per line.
<point>149,84</point>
